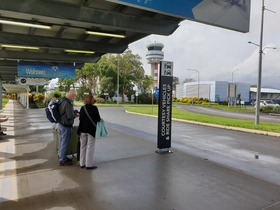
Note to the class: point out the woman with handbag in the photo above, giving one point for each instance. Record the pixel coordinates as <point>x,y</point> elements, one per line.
<point>89,116</point>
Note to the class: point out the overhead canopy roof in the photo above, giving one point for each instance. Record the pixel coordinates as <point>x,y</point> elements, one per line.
<point>13,88</point>
<point>69,20</point>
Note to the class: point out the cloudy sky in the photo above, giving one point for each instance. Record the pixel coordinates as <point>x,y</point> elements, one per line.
<point>216,52</point>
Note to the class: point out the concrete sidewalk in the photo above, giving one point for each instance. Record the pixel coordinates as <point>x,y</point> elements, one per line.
<point>130,175</point>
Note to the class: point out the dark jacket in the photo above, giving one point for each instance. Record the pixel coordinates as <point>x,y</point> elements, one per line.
<point>66,110</point>
<point>85,125</point>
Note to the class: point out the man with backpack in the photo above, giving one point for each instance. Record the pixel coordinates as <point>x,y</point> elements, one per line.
<point>66,110</point>
<point>51,114</point>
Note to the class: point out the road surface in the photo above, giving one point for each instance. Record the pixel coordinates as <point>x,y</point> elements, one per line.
<point>256,155</point>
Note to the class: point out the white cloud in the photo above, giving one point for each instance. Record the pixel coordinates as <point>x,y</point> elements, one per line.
<point>216,52</point>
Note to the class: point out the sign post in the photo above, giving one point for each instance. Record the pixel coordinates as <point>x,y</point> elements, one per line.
<point>165,107</point>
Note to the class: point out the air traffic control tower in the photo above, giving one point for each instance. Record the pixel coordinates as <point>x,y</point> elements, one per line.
<point>154,56</point>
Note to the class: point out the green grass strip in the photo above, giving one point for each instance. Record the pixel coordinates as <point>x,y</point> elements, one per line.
<point>185,115</point>
<point>4,102</point>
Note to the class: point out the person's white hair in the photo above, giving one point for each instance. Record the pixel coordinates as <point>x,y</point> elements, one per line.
<point>71,94</point>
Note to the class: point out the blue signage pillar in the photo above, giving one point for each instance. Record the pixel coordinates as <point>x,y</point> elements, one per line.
<point>165,107</point>
<point>157,93</point>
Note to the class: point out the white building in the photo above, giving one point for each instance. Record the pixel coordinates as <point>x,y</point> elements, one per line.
<point>266,94</point>
<point>216,91</point>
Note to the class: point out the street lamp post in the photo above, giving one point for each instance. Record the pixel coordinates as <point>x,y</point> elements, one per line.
<point>118,81</point>
<point>198,77</point>
<point>258,95</point>
<point>233,74</point>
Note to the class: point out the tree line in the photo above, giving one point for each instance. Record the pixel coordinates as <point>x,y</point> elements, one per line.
<point>112,73</point>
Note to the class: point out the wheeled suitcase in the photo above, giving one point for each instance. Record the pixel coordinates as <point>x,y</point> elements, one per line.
<point>74,145</point>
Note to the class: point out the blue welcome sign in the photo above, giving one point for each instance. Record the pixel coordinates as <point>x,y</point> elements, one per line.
<point>230,14</point>
<point>38,70</point>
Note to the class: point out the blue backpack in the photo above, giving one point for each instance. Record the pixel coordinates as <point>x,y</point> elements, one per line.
<point>52,111</point>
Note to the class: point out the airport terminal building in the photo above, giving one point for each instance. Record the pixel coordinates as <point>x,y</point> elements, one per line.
<point>219,91</point>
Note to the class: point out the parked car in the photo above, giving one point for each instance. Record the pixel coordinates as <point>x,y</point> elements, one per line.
<point>267,103</point>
